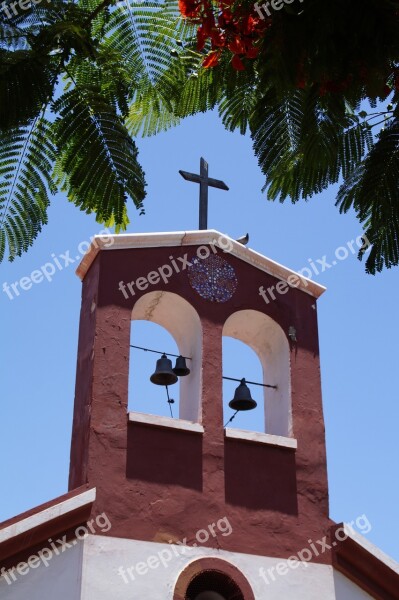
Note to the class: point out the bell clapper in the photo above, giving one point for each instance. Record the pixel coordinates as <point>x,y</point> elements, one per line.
<point>231,418</point>
<point>170,401</point>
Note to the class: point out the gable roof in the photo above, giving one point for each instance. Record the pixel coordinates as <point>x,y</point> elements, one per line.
<point>194,238</point>
<point>365,564</point>
<point>355,557</point>
<point>45,521</point>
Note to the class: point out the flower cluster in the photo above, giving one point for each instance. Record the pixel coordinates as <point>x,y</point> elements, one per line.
<point>227,25</point>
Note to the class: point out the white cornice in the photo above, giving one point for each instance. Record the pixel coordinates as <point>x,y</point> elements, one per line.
<point>194,238</point>
<point>364,543</point>
<point>261,438</point>
<point>48,514</point>
<point>159,421</point>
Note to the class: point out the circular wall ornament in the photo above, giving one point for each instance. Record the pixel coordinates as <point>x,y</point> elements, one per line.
<point>213,278</point>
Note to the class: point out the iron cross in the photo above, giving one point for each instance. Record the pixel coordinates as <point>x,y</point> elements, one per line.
<point>204,182</point>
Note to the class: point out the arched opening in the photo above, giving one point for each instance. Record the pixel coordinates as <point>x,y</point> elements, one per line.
<point>144,396</point>
<point>269,342</point>
<point>213,585</point>
<point>211,578</point>
<point>239,360</point>
<point>182,335</point>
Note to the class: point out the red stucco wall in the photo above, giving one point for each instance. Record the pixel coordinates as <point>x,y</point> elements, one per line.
<point>160,485</point>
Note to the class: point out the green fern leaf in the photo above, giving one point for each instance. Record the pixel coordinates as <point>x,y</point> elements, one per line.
<point>372,191</point>
<point>26,159</point>
<point>97,163</point>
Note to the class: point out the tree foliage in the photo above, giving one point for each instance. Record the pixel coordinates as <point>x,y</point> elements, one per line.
<point>65,91</point>
<point>79,80</point>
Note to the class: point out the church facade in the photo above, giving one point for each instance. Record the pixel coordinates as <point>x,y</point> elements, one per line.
<point>186,508</point>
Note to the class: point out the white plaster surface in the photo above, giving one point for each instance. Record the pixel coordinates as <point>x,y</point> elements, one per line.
<point>159,421</point>
<point>60,580</point>
<point>103,556</point>
<point>345,589</point>
<point>89,571</point>
<point>262,438</point>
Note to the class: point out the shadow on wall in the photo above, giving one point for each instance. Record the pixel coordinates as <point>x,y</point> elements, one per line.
<point>165,456</point>
<point>253,467</point>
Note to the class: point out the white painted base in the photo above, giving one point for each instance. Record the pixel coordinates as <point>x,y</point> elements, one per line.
<point>104,556</point>
<point>60,580</point>
<point>107,568</point>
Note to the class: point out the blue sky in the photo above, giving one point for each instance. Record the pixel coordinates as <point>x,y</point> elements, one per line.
<point>358,327</point>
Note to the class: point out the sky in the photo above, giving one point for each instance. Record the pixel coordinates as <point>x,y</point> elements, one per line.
<point>358,328</point>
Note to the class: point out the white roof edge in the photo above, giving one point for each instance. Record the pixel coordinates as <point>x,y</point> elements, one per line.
<point>47,514</point>
<point>371,548</point>
<point>191,238</point>
<point>263,438</point>
<point>158,420</point>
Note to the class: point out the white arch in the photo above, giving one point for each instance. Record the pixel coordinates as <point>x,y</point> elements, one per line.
<point>268,340</point>
<point>177,316</point>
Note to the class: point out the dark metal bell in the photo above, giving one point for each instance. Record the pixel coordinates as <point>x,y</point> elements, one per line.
<point>163,372</point>
<point>242,398</point>
<point>181,369</point>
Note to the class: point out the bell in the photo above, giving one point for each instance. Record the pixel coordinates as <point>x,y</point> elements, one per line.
<point>181,369</point>
<point>242,398</point>
<point>163,372</point>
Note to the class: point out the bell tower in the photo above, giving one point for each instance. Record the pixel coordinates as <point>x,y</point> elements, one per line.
<point>187,507</point>
<point>162,480</point>
<point>190,508</point>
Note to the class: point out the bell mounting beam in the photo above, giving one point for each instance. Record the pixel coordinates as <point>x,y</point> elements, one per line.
<point>251,382</point>
<point>204,182</point>
<point>159,352</point>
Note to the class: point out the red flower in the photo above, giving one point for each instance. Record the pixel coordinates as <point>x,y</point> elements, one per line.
<point>237,46</point>
<point>237,63</point>
<point>225,19</point>
<point>205,30</point>
<point>211,60</point>
<point>252,52</point>
<point>227,25</point>
<point>189,8</point>
<point>201,38</point>
<point>218,39</point>
<point>250,25</point>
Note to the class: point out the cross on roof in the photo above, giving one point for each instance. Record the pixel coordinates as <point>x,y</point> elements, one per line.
<point>205,182</point>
